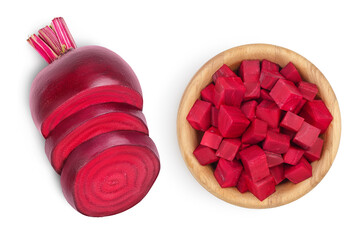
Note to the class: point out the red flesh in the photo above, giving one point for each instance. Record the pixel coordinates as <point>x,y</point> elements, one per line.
<point>269,112</point>
<point>255,163</point>
<point>223,71</point>
<point>227,173</point>
<point>278,173</point>
<point>211,138</point>
<point>306,136</point>
<point>252,90</point>
<point>273,159</point>
<point>205,155</point>
<point>290,73</point>
<point>286,95</point>
<point>269,66</point>
<point>249,70</point>
<point>262,188</point>
<point>299,172</point>
<point>291,122</point>
<point>214,116</point>
<point>241,185</point>
<point>255,133</point>
<point>199,116</point>
<point>268,79</point>
<point>249,109</point>
<point>207,94</point>
<point>317,114</point>
<point>229,91</point>
<point>314,152</point>
<point>232,122</point>
<point>276,142</point>
<point>228,148</point>
<point>308,90</point>
<point>293,155</point>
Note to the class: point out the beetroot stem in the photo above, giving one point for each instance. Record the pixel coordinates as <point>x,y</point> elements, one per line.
<point>63,34</point>
<point>49,37</point>
<point>42,48</point>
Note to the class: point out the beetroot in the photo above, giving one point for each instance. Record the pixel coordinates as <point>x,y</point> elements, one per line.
<point>228,148</point>
<point>291,121</point>
<point>214,116</point>
<point>249,109</point>
<point>207,94</point>
<point>268,79</point>
<point>299,106</point>
<point>293,155</point>
<point>205,155</point>
<point>256,132</point>
<point>276,142</point>
<point>306,136</point>
<point>264,94</point>
<point>227,173</point>
<point>317,114</point>
<point>232,122</point>
<point>278,173</point>
<point>199,116</point>
<point>262,188</point>
<point>249,70</point>
<point>229,91</point>
<point>290,73</point>
<point>223,71</point>
<point>308,90</point>
<point>269,112</point>
<point>314,152</point>
<point>299,172</point>
<point>241,185</point>
<point>269,66</point>
<point>252,90</point>
<point>273,159</point>
<point>110,173</point>
<point>286,95</point>
<point>88,123</point>
<point>254,161</point>
<point>211,138</point>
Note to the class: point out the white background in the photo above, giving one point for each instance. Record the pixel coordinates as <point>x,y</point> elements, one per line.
<point>166,42</point>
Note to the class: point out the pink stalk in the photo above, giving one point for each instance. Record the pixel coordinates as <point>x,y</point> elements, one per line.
<point>63,34</point>
<point>49,37</point>
<point>43,49</point>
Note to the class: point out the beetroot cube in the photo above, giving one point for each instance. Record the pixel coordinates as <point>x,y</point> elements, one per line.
<point>241,185</point>
<point>264,94</point>
<point>254,161</point>
<point>290,133</point>
<point>299,106</point>
<point>290,73</point>
<point>314,152</point>
<point>291,121</point>
<point>299,172</point>
<point>308,90</point>
<point>211,138</point>
<point>286,95</point>
<point>205,155</point>
<point>273,159</point>
<point>269,66</point>
<point>268,79</point>
<point>317,114</point>
<point>276,142</point>
<point>232,122</point>
<point>229,91</point>
<point>262,188</point>
<point>199,116</point>
<point>306,136</point>
<point>293,155</point>
<point>214,116</point>
<point>208,93</point>
<point>252,90</point>
<point>228,148</point>
<point>278,173</point>
<point>274,129</point>
<point>256,132</point>
<point>269,112</point>
<point>223,71</point>
<point>227,173</point>
<point>249,109</point>
<point>249,70</point>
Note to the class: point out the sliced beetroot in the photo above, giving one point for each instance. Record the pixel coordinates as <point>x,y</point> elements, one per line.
<point>241,185</point>
<point>223,71</point>
<point>199,116</point>
<point>256,132</point>
<point>306,136</point>
<point>308,90</point>
<point>208,93</point>
<point>293,155</point>
<point>227,173</point>
<point>268,79</point>
<point>269,66</point>
<point>286,95</point>
<point>249,70</point>
<point>264,94</point>
<point>262,188</point>
<point>300,106</point>
<point>205,155</point>
<point>228,148</point>
<point>249,109</point>
<point>291,122</point>
<point>273,159</point>
<point>278,173</point>
<point>229,91</point>
<point>80,78</point>
<point>276,142</point>
<point>214,116</point>
<point>290,73</point>
<point>269,112</point>
<point>211,138</point>
<point>252,90</point>
<point>314,152</point>
<point>232,122</point>
<point>298,172</point>
<point>290,133</point>
<point>88,123</point>
<point>317,114</point>
<point>110,173</point>
<point>254,160</point>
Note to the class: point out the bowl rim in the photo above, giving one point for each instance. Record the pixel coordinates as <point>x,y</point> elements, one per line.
<point>187,136</point>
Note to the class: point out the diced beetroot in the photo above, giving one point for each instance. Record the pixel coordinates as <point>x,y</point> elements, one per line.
<point>205,155</point>
<point>214,116</point>
<point>277,130</point>
<point>256,132</point>
<point>291,73</point>
<point>278,173</point>
<point>211,138</point>
<point>269,112</point>
<point>249,109</point>
<point>227,173</point>
<point>314,152</point>
<point>254,161</point>
<point>317,114</point>
<point>293,155</point>
<point>268,79</point>
<point>276,142</point>
<point>264,94</point>
<point>273,159</point>
<point>208,93</point>
<point>308,90</point>
<point>228,148</point>
<point>286,95</point>
<point>223,71</point>
<point>199,116</point>
<point>232,122</point>
<point>249,70</point>
<point>299,106</point>
<point>306,136</point>
<point>252,90</point>
<point>262,188</point>
<point>229,91</point>
<point>241,185</point>
<point>290,133</point>
<point>269,66</point>
<point>298,172</point>
<point>291,121</point>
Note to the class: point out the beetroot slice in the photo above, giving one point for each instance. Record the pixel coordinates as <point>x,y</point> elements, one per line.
<point>110,173</point>
<point>87,124</point>
<point>82,77</point>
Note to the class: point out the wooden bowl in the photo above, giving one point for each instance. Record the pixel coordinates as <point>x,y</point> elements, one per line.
<point>189,138</point>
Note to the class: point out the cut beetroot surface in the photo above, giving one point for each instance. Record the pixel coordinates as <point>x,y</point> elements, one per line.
<point>299,172</point>
<point>214,116</point>
<point>291,122</point>
<point>88,123</point>
<point>211,138</point>
<point>314,152</point>
<point>228,148</point>
<point>290,73</point>
<point>269,66</point>
<point>273,159</point>
<point>208,93</point>
<point>256,132</point>
<point>264,94</point>
<point>293,155</point>
<point>227,173</point>
<point>205,155</point>
<point>268,79</point>
<point>82,77</point>
<point>249,70</point>
<point>306,136</point>
<point>232,122</point>
<point>229,91</point>
<point>317,114</point>
<point>278,173</point>
<point>262,188</point>
<point>110,173</point>
<point>286,95</point>
<point>300,106</point>
<point>252,90</point>
<point>255,163</point>
<point>199,116</point>
<point>223,71</point>
<point>308,90</point>
<point>241,185</point>
<point>276,142</point>
<point>269,112</point>
<point>249,109</point>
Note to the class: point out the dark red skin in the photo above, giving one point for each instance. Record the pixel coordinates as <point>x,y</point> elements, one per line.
<point>67,85</point>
